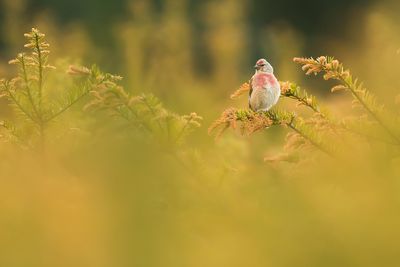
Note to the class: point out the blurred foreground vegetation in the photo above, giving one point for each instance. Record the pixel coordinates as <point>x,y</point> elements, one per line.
<point>122,177</point>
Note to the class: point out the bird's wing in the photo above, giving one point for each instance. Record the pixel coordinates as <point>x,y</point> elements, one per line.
<point>251,90</point>
<point>250,82</point>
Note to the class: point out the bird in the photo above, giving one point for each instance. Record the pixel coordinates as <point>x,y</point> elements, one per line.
<point>265,89</point>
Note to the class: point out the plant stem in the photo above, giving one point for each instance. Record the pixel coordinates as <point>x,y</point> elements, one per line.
<point>152,112</point>
<point>28,90</point>
<point>183,130</point>
<point>375,116</point>
<point>40,70</point>
<point>67,106</point>
<point>14,99</point>
<point>146,127</point>
<point>368,136</point>
<point>313,142</point>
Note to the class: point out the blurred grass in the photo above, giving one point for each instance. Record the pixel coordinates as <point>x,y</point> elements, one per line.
<point>101,198</point>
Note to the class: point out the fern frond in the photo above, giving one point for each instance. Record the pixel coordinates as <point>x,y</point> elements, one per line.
<point>144,112</point>
<point>250,122</point>
<point>332,69</point>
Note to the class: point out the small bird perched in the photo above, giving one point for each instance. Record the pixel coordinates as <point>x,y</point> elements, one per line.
<point>264,87</point>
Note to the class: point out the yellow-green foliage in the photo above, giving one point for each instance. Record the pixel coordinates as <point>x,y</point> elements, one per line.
<point>144,112</point>
<point>119,181</point>
<point>31,98</point>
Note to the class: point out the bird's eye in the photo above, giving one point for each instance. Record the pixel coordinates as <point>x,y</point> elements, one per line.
<point>262,65</point>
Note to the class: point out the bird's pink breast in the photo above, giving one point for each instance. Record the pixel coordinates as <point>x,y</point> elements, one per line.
<point>261,80</point>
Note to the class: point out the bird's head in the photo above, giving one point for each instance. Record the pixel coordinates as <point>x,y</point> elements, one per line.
<point>262,65</point>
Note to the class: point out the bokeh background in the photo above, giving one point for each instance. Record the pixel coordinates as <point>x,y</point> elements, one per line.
<point>101,200</point>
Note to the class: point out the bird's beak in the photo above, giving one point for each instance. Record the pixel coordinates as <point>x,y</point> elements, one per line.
<point>255,66</point>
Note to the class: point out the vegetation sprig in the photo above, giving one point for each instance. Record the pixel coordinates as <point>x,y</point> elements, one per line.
<point>33,99</point>
<point>320,130</point>
<point>332,69</point>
